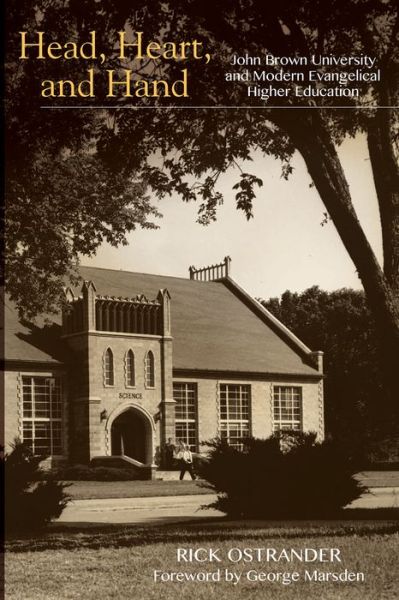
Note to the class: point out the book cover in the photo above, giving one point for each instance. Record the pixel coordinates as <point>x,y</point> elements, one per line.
<point>201,308</point>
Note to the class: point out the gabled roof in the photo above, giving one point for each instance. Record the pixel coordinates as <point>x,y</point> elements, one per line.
<point>215,326</point>
<point>32,342</point>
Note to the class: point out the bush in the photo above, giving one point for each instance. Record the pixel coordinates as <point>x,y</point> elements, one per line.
<point>30,503</point>
<point>88,473</point>
<point>384,451</point>
<point>288,475</point>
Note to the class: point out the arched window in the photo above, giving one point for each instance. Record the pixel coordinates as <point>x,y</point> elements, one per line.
<point>109,367</point>
<point>130,370</point>
<point>149,370</point>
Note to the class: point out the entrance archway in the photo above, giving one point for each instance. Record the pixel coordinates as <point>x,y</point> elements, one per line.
<point>131,435</point>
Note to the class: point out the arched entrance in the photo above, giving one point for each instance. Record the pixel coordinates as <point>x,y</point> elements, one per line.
<point>131,436</point>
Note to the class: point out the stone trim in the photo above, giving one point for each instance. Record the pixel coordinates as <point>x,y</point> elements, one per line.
<point>217,395</point>
<point>105,384</point>
<point>271,392</point>
<point>15,364</point>
<point>113,334</point>
<point>19,406</point>
<point>243,375</point>
<point>146,386</point>
<point>127,385</point>
<point>321,410</point>
<point>118,410</point>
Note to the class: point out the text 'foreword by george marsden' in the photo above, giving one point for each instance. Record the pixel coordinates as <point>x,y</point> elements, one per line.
<point>313,76</point>
<point>235,576</point>
<point>260,565</point>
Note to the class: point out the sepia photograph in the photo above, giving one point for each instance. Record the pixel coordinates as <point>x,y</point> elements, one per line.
<point>201,300</point>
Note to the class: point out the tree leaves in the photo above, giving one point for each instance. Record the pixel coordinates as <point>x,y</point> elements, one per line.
<point>246,194</point>
<point>185,151</point>
<point>340,324</point>
<point>58,210</point>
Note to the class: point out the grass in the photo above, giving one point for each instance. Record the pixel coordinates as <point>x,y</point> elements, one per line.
<point>81,490</point>
<point>119,562</point>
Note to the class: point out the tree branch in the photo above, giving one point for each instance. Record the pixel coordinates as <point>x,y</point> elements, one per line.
<point>313,141</point>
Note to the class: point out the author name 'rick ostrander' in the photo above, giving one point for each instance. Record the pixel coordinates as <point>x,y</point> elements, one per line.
<point>261,554</point>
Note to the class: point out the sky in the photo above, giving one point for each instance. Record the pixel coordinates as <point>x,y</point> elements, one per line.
<point>284,247</point>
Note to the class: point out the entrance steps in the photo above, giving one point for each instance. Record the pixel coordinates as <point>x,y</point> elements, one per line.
<point>167,475</point>
<point>123,462</point>
<point>118,462</point>
<point>142,471</point>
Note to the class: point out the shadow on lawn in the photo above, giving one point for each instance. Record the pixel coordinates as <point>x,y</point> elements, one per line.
<point>357,522</point>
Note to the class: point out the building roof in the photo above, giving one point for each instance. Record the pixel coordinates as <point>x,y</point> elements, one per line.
<point>215,326</point>
<point>33,342</point>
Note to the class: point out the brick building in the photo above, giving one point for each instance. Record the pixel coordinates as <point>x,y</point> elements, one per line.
<point>137,359</point>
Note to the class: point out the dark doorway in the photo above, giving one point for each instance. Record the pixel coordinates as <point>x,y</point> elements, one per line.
<point>128,436</point>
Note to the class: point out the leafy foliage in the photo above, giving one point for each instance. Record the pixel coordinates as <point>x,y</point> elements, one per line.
<point>340,324</point>
<point>88,473</point>
<point>185,151</point>
<point>32,497</point>
<point>62,200</point>
<point>288,475</point>
<point>52,220</point>
<point>205,142</point>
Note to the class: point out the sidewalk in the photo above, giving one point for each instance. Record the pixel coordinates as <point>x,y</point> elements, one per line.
<point>176,509</point>
<point>150,510</point>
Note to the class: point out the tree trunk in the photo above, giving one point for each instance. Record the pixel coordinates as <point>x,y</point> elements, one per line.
<point>313,141</point>
<point>386,178</point>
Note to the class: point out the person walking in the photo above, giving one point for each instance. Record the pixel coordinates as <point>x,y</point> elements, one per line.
<point>185,457</point>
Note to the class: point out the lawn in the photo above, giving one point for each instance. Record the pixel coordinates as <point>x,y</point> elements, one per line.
<point>81,490</point>
<point>119,562</point>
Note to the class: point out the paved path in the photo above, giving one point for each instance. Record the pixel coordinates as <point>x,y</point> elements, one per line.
<point>378,497</point>
<point>165,509</point>
<point>175,509</point>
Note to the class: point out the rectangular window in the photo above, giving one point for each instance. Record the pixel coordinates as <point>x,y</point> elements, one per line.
<point>185,396</point>
<point>234,415</point>
<point>42,414</point>
<point>287,408</point>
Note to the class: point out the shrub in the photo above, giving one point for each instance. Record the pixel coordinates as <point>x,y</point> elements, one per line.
<point>198,461</point>
<point>30,503</point>
<point>285,476</point>
<point>89,473</point>
<point>384,451</point>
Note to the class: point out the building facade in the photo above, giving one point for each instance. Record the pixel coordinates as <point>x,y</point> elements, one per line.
<point>136,359</point>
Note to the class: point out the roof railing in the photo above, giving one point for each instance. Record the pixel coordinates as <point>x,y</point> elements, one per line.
<point>212,272</point>
<point>138,315</point>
